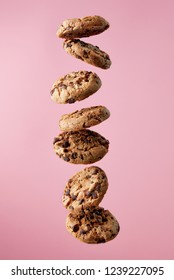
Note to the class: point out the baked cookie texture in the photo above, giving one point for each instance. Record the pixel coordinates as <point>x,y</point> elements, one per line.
<point>93,226</point>
<point>84,118</point>
<point>88,53</point>
<point>82,27</point>
<point>85,189</point>
<point>75,86</point>
<point>87,221</point>
<point>81,146</point>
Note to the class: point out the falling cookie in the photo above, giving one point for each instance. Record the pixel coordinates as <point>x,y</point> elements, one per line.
<point>81,146</point>
<point>85,189</point>
<point>93,226</point>
<point>75,86</point>
<point>88,53</point>
<point>82,27</point>
<point>84,118</point>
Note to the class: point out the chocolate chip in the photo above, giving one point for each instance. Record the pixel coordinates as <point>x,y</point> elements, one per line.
<point>81,201</point>
<point>74,155</point>
<point>65,144</point>
<point>91,133</point>
<point>84,125</point>
<point>82,231</point>
<point>62,85</point>
<point>99,219</point>
<point>71,207</point>
<point>68,45</point>
<point>79,57</point>
<point>76,41</point>
<point>66,158</point>
<point>56,140</point>
<point>88,193</point>
<point>82,216</point>
<point>76,228</point>
<point>82,43</point>
<point>87,74</point>
<point>91,216</point>
<point>86,140</point>
<point>52,91</point>
<point>95,171</point>
<point>67,192</point>
<point>85,54</point>
<point>65,150</point>
<point>73,196</point>
<point>88,177</point>
<point>94,195</point>
<point>104,219</point>
<point>81,156</point>
<point>97,187</point>
<point>97,212</point>
<point>71,100</point>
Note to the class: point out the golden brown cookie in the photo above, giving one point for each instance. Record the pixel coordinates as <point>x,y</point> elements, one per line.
<point>81,146</point>
<point>93,226</point>
<point>88,53</point>
<point>75,86</point>
<point>82,27</point>
<point>84,118</point>
<point>85,189</point>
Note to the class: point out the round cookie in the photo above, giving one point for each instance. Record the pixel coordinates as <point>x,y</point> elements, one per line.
<point>81,146</point>
<point>75,86</point>
<point>93,226</point>
<point>82,27</point>
<point>84,118</point>
<point>85,189</point>
<point>88,53</point>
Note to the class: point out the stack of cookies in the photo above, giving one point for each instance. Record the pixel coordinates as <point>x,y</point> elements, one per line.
<point>86,221</point>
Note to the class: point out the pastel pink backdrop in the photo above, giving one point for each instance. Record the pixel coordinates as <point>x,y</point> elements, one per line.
<point>138,90</point>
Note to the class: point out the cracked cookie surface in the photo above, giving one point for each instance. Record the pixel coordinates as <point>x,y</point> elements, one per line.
<point>85,189</point>
<point>88,53</point>
<point>93,226</point>
<point>81,146</point>
<point>75,86</point>
<point>84,118</point>
<point>82,27</point>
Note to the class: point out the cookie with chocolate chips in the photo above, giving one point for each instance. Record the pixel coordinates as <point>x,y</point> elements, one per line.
<point>82,27</point>
<point>93,226</point>
<point>75,86</point>
<point>81,146</point>
<point>88,53</point>
<point>85,189</point>
<point>84,118</point>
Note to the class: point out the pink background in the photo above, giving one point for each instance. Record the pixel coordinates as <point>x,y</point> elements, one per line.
<point>139,92</point>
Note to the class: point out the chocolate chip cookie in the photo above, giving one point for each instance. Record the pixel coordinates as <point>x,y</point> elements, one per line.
<point>93,226</point>
<point>88,53</point>
<point>85,189</point>
<point>81,146</point>
<point>82,27</point>
<point>84,118</point>
<point>75,86</point>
